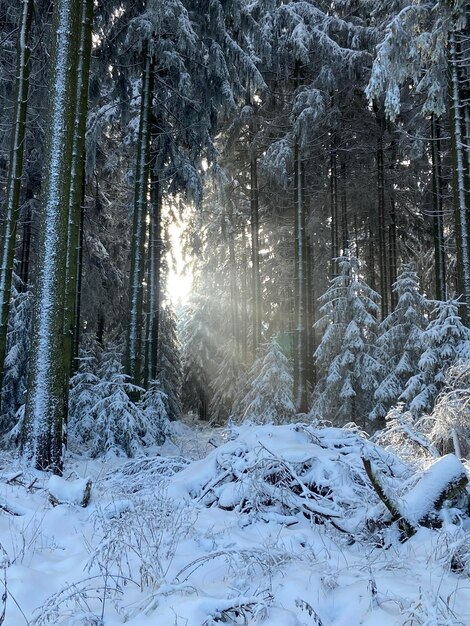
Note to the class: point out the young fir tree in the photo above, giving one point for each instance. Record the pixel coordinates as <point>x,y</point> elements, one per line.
<point>445,341</point>
<point>400,341</point>
<point>226,383</point>
<point>347,355</point>
<point>16,359</point>
<point>169,363</point>
<point>270,398</point>
<point>199,348</point>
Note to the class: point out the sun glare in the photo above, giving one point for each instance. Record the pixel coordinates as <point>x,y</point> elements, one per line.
<point>179,278</point>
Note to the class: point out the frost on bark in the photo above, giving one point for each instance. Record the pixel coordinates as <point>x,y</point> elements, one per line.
<point>77,183</point>
<point>45,403</point>
<point>300,289</point>
<point>155,250</point>
<point>15,173</point>
<point>255,261</point>
<point>134,365</point>
<point>458,106</point>
<point>438,214</point>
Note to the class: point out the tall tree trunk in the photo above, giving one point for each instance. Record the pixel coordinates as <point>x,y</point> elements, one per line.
<point>344,209</point>
<point>155,250</point>
<point>438,217</point>
<point>371,259</point>
<point>382,251</point>
<point>392,236</point>
<point>244,299</point>
<point>461,178</point>
<point>15,173</point>
<point>77,183</point>
<point>255,264</point>
<point>311,301</point>
<point>300,287</point>
<point>234,295</point>
<point>334,206</point>
<point>78,286</point>
<point>45,403</point>
<point>23,271</point>
<point>134,330</point>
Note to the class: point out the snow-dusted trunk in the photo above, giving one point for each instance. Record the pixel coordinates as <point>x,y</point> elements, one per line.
<point>300,287</point>
<point>244,298</point>
<point>46,396</point>
<point>371,257</point>
<point>344,210</point>
<point>23,271</point>
<point>381,224</point>
<point>15,173</point>
<point>438,216</point>
<point>461,176</point>
<point>155,249</point>
<point>141,188</point>
<point>234,295</point>
<point>311,306</point>
<point>255,265</point>
<point>334,206</point>
<point>392,236</point>
<point>77,175</point>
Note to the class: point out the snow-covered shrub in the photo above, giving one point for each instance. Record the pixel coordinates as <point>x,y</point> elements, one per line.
<point>405,436</point>
<point>429,609</point>
<point>270,399</point>
<point>16,358</point>
<point>138,542</point>
<point>449,422</point>
<point>278,473</point>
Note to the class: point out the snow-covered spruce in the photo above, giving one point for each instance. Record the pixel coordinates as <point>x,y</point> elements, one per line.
<point>400,341</point>
<point>105,417</point>
<point>269,396</point>
<point>445,341</point>
<point>347,357</point>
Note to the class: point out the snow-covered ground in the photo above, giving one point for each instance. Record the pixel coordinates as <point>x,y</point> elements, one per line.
<point>267,528</point>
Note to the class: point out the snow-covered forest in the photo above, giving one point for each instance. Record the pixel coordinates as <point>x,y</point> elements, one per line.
<point>234,312</point>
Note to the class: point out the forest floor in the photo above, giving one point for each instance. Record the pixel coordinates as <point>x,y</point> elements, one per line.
<point>213,532</point>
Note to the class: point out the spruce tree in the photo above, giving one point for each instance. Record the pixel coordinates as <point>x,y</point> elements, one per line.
<point>270,398</point>
<point>445,341</point>
<point>347,357</point>
<point>400,341</point>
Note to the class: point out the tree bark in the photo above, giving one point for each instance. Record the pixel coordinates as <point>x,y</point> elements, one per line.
<point>15,173</point>
<point>461,179</point>
<point>334,206</point>
<point>392,236</point>
<point>255,263</point>
<point>244,299</point>
<point>41,438</point>
<point>77,182</point>
<point>381,224</point>
<point>155,250</point>
<point>134,355</point>
<point>438,217</point>
<point>300,287</point>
